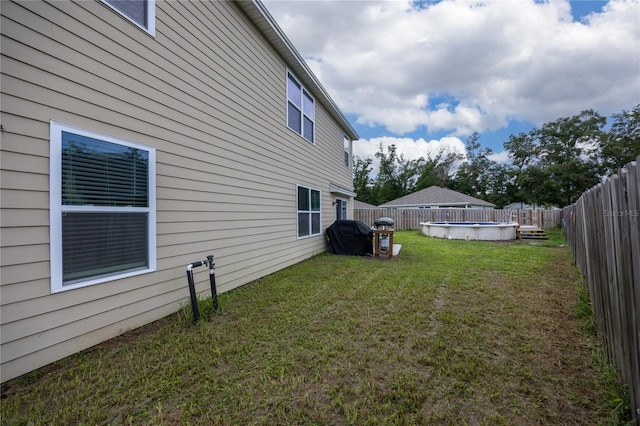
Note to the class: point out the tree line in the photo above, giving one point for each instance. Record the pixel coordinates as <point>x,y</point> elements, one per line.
<point>549,166</point>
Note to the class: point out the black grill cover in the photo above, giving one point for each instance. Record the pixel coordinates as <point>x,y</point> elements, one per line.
<point>350,237</point>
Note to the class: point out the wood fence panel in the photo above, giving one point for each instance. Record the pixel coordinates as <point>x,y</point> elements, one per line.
<point>633,296</point>
<point>612,244</point>
<point>624,274</point>
<point>410,218</point>
<point>603,231</point>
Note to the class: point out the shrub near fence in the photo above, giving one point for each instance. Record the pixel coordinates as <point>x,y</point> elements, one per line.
<point>603,232</point>
<point>410,218</point>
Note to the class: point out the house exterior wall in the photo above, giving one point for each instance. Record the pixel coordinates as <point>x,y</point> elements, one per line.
<point>208,92</point>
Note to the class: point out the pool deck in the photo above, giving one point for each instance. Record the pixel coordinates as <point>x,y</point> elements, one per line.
<point>530,232</point>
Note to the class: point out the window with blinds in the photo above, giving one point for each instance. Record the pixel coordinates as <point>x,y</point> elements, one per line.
<point>140,12</point>
<point>103,208</point>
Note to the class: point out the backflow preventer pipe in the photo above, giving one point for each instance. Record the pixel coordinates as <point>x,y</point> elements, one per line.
<point>192,285</point>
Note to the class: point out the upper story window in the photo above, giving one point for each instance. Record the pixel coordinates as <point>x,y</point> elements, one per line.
<point>102,208</point>
<point>347,151</point>
<point>140,12</point>
<point>301,109</point>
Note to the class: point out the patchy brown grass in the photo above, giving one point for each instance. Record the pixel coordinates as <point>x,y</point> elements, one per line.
<point>450,332</point>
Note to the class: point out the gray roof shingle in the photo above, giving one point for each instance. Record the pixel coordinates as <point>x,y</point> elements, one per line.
<point>434,195</point>
<point>361,205</point>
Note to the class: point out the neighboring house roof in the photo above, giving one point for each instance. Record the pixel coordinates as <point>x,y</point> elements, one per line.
<point>360,205</point>
<point>436,196</point>
<point>258,13</point>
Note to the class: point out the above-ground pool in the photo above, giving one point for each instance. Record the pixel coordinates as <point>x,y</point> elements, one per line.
<point>488,231</point>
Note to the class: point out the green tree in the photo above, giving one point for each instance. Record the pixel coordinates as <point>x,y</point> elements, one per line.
<point>407,175</point>
<point>397,175</point>
<point>438,170</point>
<point>558,162</point>
<point>362,182</point>
<point>523,150</point>
<point>386,186</point>
<point>567,148</point>
<point>500,185</point>
<point>472,177</point>
<point>621,144</point>
<point>536,186</point>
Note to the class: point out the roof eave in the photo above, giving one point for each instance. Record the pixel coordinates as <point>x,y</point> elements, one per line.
<point>262,19</point>
<point>336,189</point>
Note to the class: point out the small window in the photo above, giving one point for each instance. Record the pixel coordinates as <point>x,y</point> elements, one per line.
<point>341,209</point>
<point>347,151</point>
<point>102,208</point>
<point>309,221</point>
<point>301,109</point>
<point>140,12</point>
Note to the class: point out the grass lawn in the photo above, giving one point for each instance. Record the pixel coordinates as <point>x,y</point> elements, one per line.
<point>449,332</point>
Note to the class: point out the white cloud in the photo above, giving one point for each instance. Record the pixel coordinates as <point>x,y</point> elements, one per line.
<point>389,62</point>
<point>500,157</point>
<point>411,149</point>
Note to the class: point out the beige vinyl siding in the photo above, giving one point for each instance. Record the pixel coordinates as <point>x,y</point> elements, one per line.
<point>209,93</point>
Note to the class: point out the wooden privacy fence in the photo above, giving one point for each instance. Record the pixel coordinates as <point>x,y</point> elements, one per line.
<point>603,232</point>
<point>411,218</point>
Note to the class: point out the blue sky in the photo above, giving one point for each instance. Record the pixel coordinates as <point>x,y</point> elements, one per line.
<point>425,75</point>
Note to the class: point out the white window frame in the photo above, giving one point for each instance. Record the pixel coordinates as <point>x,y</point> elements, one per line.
<point>303,91</point>
<point>347,152</point>
<point>56,209</point>
<point>151,16</point>
<point>310,212</point>
<point>345,203</point>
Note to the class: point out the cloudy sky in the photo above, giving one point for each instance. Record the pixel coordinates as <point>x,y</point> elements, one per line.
<point>425,75</point>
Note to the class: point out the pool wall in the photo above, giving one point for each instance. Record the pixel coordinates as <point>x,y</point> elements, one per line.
<point>486,231</point>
